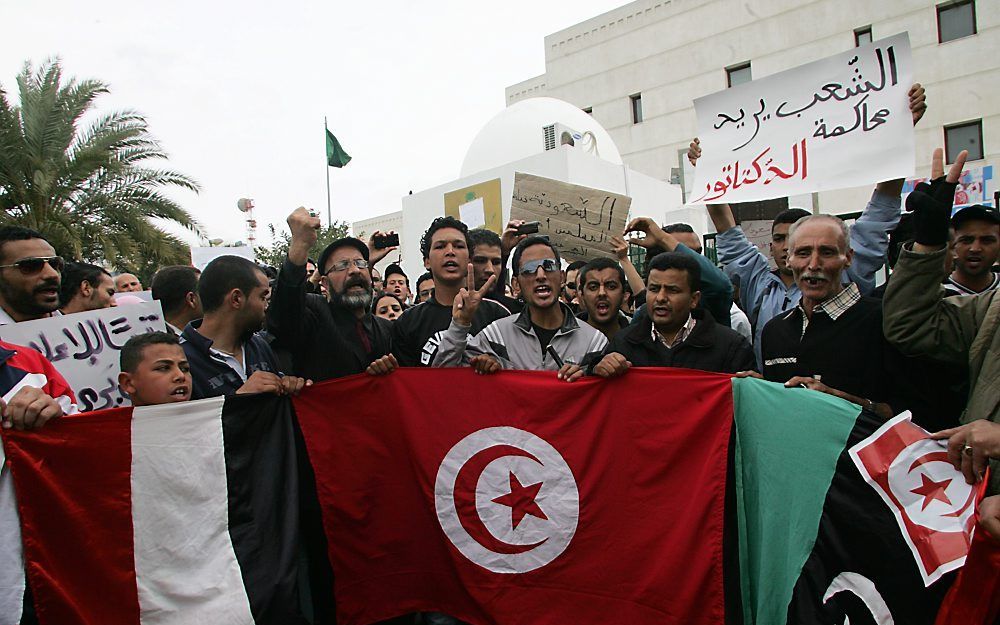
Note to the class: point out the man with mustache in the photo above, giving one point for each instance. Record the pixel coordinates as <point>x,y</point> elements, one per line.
<point>332,336</point>
<point>30,275</point>
<point>832,340</point>
<point>601,293</point>
<point>975,248</point>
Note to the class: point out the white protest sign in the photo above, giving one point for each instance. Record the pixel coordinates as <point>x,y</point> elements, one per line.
<point>85,347</point>
<point>840,122</point>
<point>473,214</point>
<point>146,296</point>
<point>201,256</point>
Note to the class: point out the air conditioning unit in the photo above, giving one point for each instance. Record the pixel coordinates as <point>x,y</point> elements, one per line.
<point>555,135</point>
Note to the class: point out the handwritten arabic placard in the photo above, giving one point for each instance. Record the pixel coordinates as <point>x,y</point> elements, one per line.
<point>85,347</point>
<point>840,122</point>
<point>579,221</point>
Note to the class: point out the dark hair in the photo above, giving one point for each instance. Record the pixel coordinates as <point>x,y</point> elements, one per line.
<point>680,261</point>
<point>395,270</point>
<point>17,233</point>
<point>482,236</point>
<point>515,260</point>
<point>224,274</point>
<point>789,216</point>
<point>576,265</point>
<point>438,224</point>
<point>171,286</point>
<point>74,274</point>
<point>131,354</point>
<point>678,227</point>
<point>597,264</point>
<point>380,295</point>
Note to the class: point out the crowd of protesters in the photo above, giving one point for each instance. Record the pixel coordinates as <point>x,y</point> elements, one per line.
<point>926,341</point>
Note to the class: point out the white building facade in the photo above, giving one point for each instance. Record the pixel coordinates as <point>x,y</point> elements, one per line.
<point>638,68</point>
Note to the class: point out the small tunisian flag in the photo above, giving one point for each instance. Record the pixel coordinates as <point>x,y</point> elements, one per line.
<point>548,503</point>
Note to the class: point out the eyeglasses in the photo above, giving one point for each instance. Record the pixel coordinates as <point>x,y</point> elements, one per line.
<point>360,263</point>
<point>33,264</point>
<point>548,264</point>
<point>571,285</point>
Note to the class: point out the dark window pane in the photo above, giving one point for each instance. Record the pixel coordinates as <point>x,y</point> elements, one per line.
<point>965,137</point>
<point>636,108</point>
<point>956,21</point>
<point>862,36</point>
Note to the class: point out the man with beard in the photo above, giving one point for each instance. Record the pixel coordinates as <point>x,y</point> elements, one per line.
<point>832,340</point>
<point>328,338</point>
<point>602,292</point>
<point>30,274</point>
<point>975,246</point>
<point>224,350</point>
<point>544,336</point>
<point>176,288</point>
<point>416,334</point>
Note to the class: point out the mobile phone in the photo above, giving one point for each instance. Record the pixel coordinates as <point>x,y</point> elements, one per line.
<point>383,241</point>
<point>530,227</point>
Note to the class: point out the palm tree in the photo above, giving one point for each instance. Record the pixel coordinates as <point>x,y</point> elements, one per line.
<point>89,191</point>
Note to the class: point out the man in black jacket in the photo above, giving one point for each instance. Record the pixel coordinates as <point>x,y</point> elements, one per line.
<point>335,338</point>
<point>674,332</point>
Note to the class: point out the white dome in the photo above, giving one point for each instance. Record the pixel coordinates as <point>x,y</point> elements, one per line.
<point>516,133</point>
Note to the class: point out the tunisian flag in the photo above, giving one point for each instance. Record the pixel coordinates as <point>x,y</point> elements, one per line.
<point>547,503</point>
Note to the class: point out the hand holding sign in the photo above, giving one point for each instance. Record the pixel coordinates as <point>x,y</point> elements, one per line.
<point>28,409</point>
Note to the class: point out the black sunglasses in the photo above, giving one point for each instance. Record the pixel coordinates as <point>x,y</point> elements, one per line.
<point>32,265</point>
<point>530,267</point>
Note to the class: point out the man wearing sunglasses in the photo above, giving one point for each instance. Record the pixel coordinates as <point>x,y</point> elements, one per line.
<point>334,337</point>
<point>545,335</point>
<point>30,275</point>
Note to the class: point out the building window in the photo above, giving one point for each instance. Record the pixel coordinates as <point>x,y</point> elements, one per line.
<point>738,74</point>
<point>956,20</point>
<point>589,110</point>
<point>967,136</point>
<point>862,36</point>
<point>636,107</point>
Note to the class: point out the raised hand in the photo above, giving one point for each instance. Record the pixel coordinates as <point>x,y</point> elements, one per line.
<point>375,254</point>
<point>510,238</point>
<point>653,234</point>
<point>918,102</point>
<point>931,203</point>
<point>620,247</point>
<point>694,152</point>
<point>305,232</point>
<point>463,309</point>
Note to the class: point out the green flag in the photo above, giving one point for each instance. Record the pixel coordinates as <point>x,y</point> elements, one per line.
<point>335,155</point>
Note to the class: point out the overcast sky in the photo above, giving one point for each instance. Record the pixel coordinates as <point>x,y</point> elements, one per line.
<point>236,92</point>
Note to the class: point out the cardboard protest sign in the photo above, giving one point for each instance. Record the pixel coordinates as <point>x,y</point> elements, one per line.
<point>201,256</point>
<point>579,221</point>
<point>840,122</point>
<point>85,347</point>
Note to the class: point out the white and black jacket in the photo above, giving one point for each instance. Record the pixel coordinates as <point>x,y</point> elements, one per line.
<point>513,342</point>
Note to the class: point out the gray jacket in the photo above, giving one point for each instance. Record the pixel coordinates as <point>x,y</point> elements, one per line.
<point>513,342</point>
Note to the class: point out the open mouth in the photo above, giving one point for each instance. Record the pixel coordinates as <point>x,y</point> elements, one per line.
<point>813,281</point>
<point>603,307</point>
<point>180,391</point>
<point>543,290</point>
<point>449,264</point>
<point>661,311</point>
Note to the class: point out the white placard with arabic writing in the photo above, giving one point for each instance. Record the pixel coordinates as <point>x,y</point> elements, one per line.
<point>85,347</point>
<point>840,122</point>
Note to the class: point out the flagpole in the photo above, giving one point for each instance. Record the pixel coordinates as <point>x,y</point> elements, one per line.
<point>329,219</point>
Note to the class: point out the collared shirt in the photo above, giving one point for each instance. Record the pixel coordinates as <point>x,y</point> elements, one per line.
<point>835,306</point>
<point>681,335</point>
<point>231,360</point>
